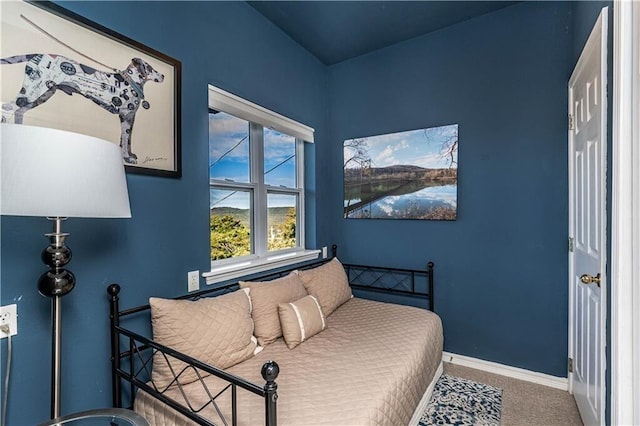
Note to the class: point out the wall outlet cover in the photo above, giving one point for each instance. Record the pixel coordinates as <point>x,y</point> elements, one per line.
<point>9,316</point>
<point>193,280</point>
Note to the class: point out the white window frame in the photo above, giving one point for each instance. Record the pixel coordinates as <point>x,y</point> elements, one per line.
<point>262,260</point>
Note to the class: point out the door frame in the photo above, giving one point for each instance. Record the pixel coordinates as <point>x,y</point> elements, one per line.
<point>601,22</point>
<point>625,244</point>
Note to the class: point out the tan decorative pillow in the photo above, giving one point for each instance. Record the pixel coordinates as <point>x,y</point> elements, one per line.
<point>329,284</point>
<point>300,320</point>
<point>265,297</point>
<point>215,330</point>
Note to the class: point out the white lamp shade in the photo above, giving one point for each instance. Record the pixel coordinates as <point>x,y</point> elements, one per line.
<point>54,173</point>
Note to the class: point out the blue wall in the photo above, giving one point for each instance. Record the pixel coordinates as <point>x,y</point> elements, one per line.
<point>501,268</point>
<point>223,43</point>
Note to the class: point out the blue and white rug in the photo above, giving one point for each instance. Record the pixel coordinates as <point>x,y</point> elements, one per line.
<point>457,401</point>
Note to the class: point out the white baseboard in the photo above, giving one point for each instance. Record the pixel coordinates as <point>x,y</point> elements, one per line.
<point>561,383</point>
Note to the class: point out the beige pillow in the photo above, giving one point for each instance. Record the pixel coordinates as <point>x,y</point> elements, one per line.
<point>215,330</point>
<point>328,283</point>
<point>265,297</point>
<point>300,320</point>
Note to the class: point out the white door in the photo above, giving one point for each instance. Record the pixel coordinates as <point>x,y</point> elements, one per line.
<point>587,225</point>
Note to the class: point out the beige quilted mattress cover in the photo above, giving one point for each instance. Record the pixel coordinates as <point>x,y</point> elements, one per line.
<point>371,366</point>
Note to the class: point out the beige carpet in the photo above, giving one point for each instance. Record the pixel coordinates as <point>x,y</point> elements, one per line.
<point>525,403</point>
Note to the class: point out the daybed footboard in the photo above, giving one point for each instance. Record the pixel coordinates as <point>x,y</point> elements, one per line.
<point>132,353</point>
<point>139,356</point>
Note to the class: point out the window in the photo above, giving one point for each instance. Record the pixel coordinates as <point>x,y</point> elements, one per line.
<point>256,188</point>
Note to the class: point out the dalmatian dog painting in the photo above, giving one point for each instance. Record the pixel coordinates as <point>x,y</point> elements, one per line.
<point>118,92</point>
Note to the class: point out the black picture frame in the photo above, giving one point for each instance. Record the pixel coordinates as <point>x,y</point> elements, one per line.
<point>89,57</point>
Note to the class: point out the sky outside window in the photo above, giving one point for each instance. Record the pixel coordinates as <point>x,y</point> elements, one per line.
<point>219,198</point>
<point>228,148</point>
<point>279,159</point>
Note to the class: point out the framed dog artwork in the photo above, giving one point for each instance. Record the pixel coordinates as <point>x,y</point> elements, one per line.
<point>60,70</point>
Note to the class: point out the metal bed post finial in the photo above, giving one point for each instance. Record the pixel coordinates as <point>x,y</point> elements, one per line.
<point>334,250</point>
<point>113,290</point>
<point>270,371</point>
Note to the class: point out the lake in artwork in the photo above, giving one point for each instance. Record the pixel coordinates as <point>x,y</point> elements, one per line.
<point>405,175</point>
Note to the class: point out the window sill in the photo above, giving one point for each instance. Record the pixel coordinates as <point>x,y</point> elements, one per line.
<point>254,266</point>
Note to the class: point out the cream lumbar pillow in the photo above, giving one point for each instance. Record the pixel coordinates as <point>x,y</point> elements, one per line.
<point>214,330</point>
<point>328,283</point>
<point>265,297</point>
<point>300,320</point>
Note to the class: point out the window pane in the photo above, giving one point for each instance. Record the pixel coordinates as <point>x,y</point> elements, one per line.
<point>279,159</point>
<point>228,147</point>
<point>281,221</point>
<point>230,223</point>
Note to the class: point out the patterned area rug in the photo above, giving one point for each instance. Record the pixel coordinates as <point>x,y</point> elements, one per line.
<point>457,401</point>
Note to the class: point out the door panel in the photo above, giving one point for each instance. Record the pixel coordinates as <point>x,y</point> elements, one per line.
<point>587,204</point>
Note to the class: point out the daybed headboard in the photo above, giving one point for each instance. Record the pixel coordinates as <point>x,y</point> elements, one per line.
<point>403,282</point>
<point>133,364</point>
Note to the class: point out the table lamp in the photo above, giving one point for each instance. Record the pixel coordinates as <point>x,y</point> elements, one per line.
<point>58,174</point>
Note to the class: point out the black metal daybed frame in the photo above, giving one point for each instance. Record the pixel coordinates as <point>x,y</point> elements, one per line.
<point>133,365</point>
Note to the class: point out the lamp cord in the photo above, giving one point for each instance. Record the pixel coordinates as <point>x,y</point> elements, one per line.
<point>6,383</point>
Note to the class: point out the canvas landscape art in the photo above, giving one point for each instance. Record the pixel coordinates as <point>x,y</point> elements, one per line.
<point>404,175</point>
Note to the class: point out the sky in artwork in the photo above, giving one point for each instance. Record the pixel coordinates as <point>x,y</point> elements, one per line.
<point>423,147</point>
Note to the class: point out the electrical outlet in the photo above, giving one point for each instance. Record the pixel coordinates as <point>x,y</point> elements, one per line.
<point>9,317</point>
<point>324,252</point>
<point>193,280</point>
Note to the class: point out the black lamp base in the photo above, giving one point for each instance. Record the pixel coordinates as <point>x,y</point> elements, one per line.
<point>55,283</point>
